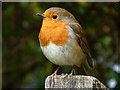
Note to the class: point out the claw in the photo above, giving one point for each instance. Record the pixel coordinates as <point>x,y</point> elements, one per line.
<point>52,76</point>
<point>65,75</point>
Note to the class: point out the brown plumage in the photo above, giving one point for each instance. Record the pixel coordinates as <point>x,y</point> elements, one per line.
<point>58,53</point>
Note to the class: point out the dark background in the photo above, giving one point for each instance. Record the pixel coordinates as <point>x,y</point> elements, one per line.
<point>25,66</point>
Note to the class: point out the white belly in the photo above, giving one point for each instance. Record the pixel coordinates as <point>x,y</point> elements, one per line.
<point>69,54</point>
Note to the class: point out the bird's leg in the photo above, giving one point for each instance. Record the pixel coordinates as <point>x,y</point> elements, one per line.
<point>54,74</point>
<point>71,71</point>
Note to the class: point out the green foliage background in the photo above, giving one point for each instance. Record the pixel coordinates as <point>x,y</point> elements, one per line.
<point>24,64</point>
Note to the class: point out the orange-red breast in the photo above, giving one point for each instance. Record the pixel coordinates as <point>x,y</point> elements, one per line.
<point>62,38</point>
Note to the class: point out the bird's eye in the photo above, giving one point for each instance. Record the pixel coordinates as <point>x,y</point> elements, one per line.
<point>54,16</point>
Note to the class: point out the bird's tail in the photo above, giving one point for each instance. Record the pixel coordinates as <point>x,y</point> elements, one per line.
<point>79,70</point>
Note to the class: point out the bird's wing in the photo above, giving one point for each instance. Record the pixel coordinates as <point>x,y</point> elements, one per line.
<point>82,41</point>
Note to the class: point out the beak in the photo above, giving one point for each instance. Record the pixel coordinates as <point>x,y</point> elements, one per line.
<point>42,15</point>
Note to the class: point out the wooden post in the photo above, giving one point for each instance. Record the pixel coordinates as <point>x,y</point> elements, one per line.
<point>75,81</point>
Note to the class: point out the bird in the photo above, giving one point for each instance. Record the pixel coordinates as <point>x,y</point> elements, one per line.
<point>62,40</point>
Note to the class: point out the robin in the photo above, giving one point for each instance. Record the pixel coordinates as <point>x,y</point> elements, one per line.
<point>62,39</point>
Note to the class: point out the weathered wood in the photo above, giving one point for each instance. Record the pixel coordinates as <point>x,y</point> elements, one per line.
<point>75,81</point>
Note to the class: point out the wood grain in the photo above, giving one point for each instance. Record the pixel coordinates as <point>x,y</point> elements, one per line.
<point>75,81</point>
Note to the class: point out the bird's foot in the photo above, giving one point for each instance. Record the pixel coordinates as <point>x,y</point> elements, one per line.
<point>70,74</point>
<point>64,75</point>
<point>52,76</point>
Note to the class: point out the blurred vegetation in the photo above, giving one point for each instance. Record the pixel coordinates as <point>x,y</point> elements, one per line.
<point>25,66</point>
